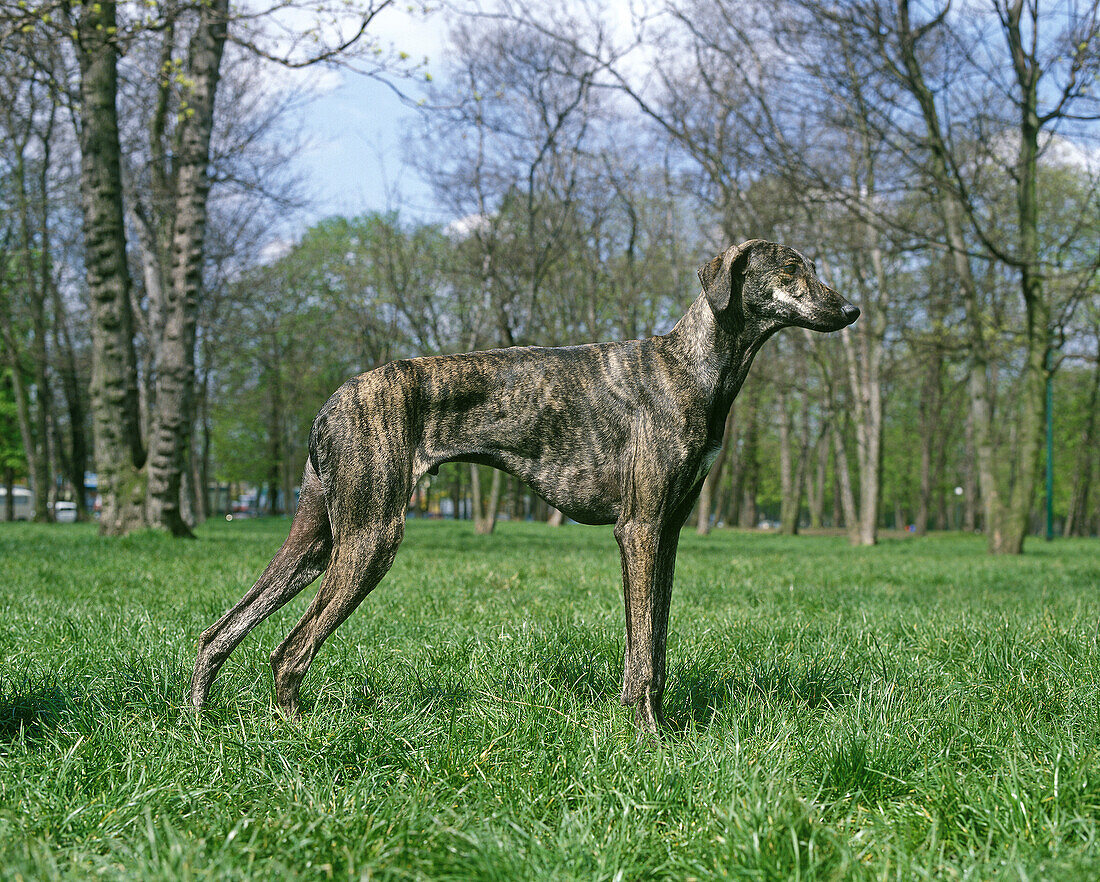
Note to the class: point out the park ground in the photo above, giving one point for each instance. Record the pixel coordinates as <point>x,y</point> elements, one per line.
<point>917,710</point>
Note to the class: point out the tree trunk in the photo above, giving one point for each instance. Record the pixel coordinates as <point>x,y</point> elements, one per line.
<point>706,493</point>
<point>77,458</point>
<point>485,516</point>
<point>287,481</point>
<point>197,490</point>
<point>475,495</point>
<point>791,472</point>
<point>931,438</point>
<point>949,427</point>
<point>119,453</point>
<point>275,430</point>
<point>865,381</point>
<point>169,452</point>
<point>741,451</point>
<point>750,471</point>
<point>22,400</point>
<point>732,509</point>
<point>33,420</point>
<point>971,499</point>
<point>1007,534</point>
<point>1077,518</point>
<point>1006,508</point>
<point>844,485</point>
<point>37,289</point>
<point>815,488</point>
<point>200,452</point>
<point>9,500</point>
<point>208,508</point>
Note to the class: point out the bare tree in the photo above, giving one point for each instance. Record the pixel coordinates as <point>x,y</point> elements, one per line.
<point>955,167</point>
<point>516,120</point>
<point>1078,517</point>
<point>143,486</point>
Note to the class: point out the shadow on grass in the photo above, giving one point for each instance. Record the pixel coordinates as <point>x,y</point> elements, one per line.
<point>517,541</point>
<point>559,678</point>
<point>31,711</point>
<point>699,695</point>
<point>422,692</point>
<point>694,697</point>
<point>584,675</point>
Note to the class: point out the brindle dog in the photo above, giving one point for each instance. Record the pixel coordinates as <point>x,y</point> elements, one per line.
<point>610,433</point>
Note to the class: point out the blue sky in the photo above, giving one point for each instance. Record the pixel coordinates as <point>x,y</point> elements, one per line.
<point>357,132</point>
<point>355,161</point>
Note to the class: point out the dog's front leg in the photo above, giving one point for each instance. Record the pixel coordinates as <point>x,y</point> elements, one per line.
<point>649,556</point>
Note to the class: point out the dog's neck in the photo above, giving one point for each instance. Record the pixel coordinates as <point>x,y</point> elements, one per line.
<point>720,358</point>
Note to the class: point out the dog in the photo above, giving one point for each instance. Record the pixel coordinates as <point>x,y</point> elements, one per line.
<point>609,433</point>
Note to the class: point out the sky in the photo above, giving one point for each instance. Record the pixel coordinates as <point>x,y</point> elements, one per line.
<point>357,128</point>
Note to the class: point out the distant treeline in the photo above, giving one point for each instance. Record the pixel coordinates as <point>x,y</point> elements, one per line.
<point>940,165</point>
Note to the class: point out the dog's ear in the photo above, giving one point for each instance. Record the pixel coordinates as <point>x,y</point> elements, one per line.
<point>723,277</point>
<point>716,282</point>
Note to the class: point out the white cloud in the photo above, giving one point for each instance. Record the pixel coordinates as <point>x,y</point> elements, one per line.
<point>464,226</point>
<point>1063,151</point>
<point>275,249</point>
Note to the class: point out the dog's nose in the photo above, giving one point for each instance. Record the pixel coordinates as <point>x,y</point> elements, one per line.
<point>851,313</point>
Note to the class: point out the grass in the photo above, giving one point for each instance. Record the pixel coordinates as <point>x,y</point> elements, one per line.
<point>917,710</point>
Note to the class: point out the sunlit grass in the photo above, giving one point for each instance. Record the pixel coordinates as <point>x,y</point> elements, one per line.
<point>915,710</point>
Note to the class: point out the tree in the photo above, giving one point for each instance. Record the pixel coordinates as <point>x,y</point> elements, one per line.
<point>1081,517</point>
<point>954,167</point>
<point>120,452</point>
<point>516,118</point>
<point>143,486</point>
<point>27,122</point>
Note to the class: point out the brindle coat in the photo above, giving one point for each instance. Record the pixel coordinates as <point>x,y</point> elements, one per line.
<point>610,433</point>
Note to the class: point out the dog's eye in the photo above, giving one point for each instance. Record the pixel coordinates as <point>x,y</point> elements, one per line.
<point>791,269</point>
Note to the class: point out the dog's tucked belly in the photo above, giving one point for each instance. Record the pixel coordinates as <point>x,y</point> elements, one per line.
<point>540,415</point>
<point>580,494</point>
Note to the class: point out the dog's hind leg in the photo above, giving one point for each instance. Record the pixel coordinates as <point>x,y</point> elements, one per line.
<point>303,557</point>
<point>361,557</point>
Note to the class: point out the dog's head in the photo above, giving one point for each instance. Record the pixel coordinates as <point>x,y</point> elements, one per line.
<point>762,283</point>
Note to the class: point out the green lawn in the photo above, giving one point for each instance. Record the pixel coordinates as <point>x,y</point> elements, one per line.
<point>915,710</point>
